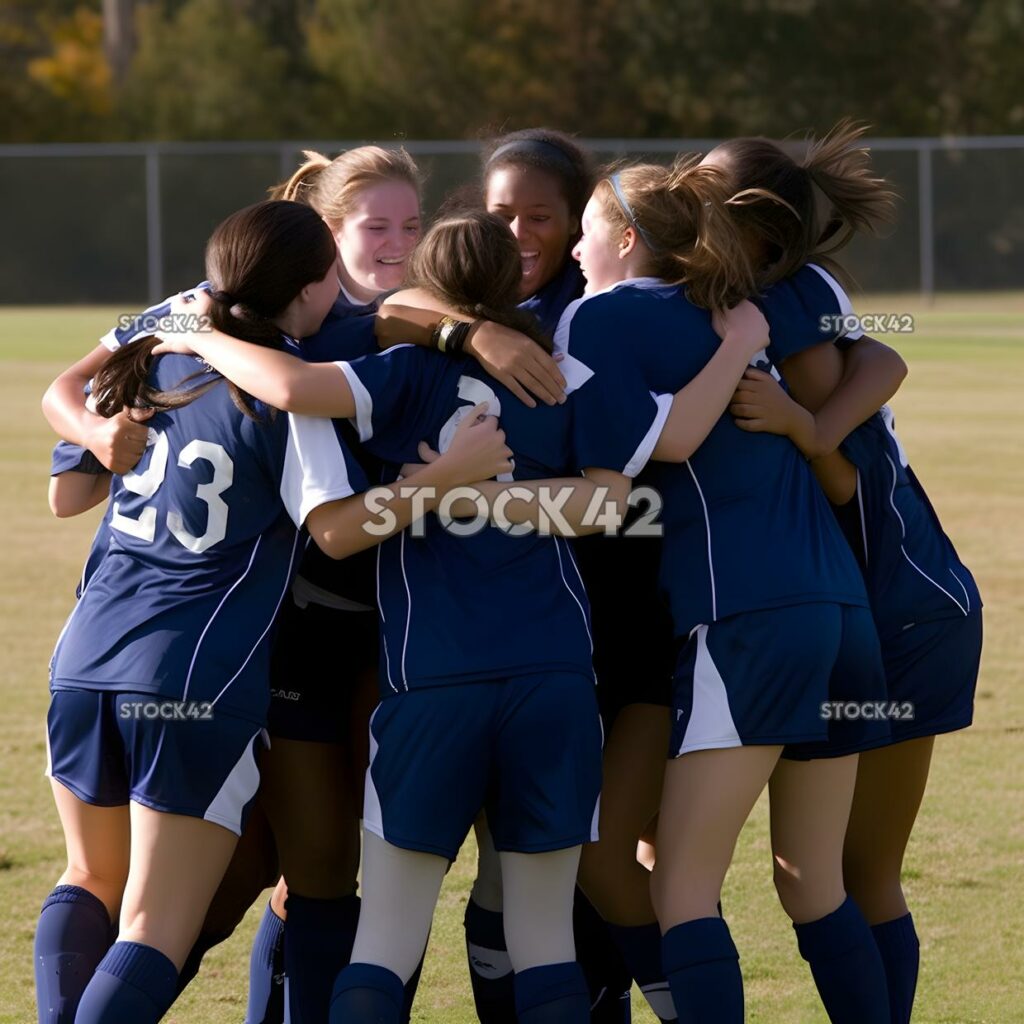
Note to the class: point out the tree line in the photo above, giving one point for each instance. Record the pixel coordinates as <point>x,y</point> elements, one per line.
<point>390,69</point>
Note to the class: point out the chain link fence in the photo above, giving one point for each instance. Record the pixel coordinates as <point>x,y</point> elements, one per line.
<point>126,223</point>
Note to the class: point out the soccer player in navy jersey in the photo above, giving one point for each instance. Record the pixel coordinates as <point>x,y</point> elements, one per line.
<point>159,678</point>
<point>458,611</point>
<point>924,601</point>
<point>769,608</point>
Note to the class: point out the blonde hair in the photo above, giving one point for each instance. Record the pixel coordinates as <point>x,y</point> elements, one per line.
<point>681,214</point>
<point>331,186</point>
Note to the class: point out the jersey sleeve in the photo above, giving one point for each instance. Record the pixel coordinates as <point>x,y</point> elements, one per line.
<point>347,338</point>
<point>616,419</point>
<point>318,466</point>
<point>864,445</point>
<point>807,309</point>
<point>143,325</point>
<point>397,398</point>
<point>71,458</point>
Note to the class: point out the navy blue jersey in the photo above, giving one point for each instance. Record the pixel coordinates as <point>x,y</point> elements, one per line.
<point>489,605</point>
<point>806,309</point>
<point>145,324</point>
<point>912,570</point>
<point>71,458</point>
<point>548,303</point>
<point>746,526</point>
<point>204,541</point>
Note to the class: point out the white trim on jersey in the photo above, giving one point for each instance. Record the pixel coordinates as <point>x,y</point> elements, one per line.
<point>579,604</point>
<point>643,453</point>
<point>707,527</point>
<point>363,419</point>
<point>238,789</point>
<point>216,612</point>
<point>903,531</point>
<point>270,622</point>
<point>315,471</point>
<point>711,724</point>
<point>408,611</point>
<point>863,521</point>
<point>383,624</point>
<point>845,305</point>
<point>561,339</point>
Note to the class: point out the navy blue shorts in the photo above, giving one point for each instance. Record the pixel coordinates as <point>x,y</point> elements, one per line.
<point>318,654</point>
<point>110,748</point>
<point>931,670</point>
<point>769,677</point>
<point>526,749</point>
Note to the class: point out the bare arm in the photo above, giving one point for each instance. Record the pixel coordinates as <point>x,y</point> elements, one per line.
<point>510,357</point>
<point>281,380</point>
<point>698,406</point>
<point>72,493</point>
<point>842,389</point>
<point>118,442</point>
<point>478,450</point>
<point>559,506</point>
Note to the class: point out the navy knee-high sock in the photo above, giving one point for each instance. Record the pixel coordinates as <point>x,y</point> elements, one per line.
<point>366,994</point>
<point>490,969</point>
<point>552,994</point>
<point>846,966</point>
<point>703,971</point>
<point>608,978</point>
<point>641,949</point>
<point>133,982</point>
<point>318,937</point>
<point>901,956</point>
<point>266,971</point>
<point>73,934</point>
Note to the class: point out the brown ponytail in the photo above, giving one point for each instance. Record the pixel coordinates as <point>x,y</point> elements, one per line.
<point>258,259</point>
<point>680,212</point>
<point>792,212</point>
<point>471,262</point>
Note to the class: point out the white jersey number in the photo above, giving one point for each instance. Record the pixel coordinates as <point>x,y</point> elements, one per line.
<point>473,391</point>
<point>148,483</point>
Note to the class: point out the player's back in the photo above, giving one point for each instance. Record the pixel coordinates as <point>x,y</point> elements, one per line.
<point>201,550</point>
<point>746,526</point>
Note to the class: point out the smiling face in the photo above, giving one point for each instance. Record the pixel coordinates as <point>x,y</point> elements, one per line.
<point>597,250</point>
<point>376,237</point>
<point>532,203</point>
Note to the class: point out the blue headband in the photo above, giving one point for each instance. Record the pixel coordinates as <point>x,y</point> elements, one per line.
<point>616,185</point>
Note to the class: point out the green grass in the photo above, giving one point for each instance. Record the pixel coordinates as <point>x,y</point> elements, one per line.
<point>962,421</point>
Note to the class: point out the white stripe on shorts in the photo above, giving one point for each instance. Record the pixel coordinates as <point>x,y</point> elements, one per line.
<point>238,789</point>
<point>711,725</point>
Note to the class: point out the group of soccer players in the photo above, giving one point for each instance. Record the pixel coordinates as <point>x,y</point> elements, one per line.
<point>292,639</point>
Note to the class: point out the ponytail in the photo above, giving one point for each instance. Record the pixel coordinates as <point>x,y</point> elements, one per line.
<point>681,214</point>
<point>854,199</point>
<point>260,259</point>
<point>299,186</point>
<point>791,213</point>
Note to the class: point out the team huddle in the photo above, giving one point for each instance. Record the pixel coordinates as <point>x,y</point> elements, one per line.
<point>576,519</point>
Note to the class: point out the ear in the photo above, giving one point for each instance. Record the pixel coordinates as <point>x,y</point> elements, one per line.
<point>627,243</point>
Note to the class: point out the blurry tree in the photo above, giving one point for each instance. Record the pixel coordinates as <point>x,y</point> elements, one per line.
<point>206,69</point>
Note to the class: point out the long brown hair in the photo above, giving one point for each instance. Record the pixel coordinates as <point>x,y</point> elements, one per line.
<point>258,261</point>
<point>798,211</point>
<point>471,261</point>
<point>681,214</point>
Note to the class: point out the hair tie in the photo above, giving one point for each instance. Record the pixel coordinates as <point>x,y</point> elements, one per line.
<point>222,296</point>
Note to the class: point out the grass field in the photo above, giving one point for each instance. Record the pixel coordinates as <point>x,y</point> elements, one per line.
<point>961,419</point>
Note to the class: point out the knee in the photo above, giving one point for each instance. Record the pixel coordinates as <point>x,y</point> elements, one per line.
<point>604,877</point>
<point>487,892</point>
<point>107,886</point>
<point>322,870</point>
<point>807,895</point>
